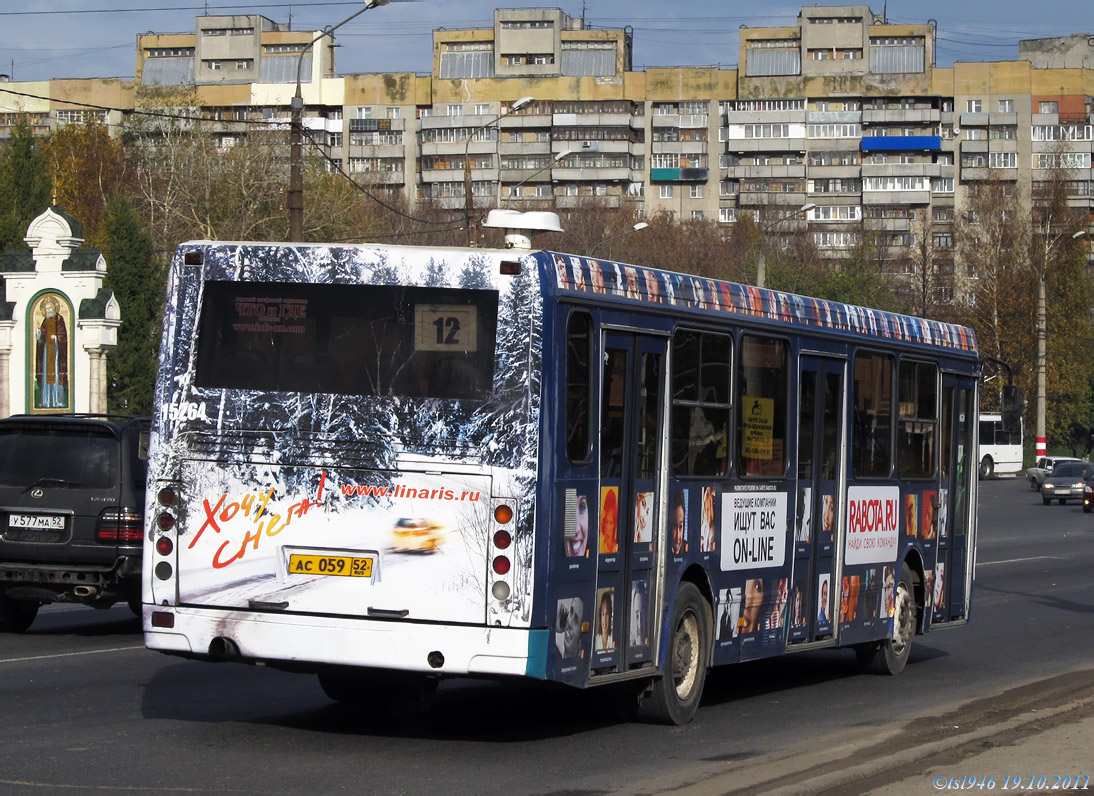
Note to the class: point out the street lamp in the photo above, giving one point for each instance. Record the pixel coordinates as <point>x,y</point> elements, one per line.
<point>296,159</point>
<point>761,264</point>
<point>1042,353</point>
<point>469,203</point>
<point>563,154</point>
<point>637,227</point>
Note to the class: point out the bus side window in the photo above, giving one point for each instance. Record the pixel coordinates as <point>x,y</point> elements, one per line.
<point>700,402</point>
<point>762,401</point>
<point>918,404</point>
<point>578,386</point>
<point>871,447</point>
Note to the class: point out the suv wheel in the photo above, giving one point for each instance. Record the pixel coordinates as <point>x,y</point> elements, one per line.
<point>16,615</point>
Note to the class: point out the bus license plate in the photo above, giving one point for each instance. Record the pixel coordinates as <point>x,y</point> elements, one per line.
<point>344,566</point>
<point>43,522</point>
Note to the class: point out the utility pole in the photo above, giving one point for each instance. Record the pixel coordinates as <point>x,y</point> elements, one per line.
<point>295,199</point>
<point>468,199</point>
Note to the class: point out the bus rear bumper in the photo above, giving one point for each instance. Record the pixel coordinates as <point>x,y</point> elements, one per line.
<point>304,642</point>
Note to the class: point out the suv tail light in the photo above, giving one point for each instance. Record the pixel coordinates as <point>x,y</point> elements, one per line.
<point>120,526</point>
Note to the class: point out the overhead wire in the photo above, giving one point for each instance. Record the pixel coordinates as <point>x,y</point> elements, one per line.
<point>276,125</point>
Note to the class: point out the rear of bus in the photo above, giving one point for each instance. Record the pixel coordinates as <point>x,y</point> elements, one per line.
<point>342,470</point>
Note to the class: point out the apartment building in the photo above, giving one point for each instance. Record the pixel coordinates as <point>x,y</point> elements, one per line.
<point>843,112</point>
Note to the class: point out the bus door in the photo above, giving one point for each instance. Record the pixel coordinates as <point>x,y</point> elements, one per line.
<point>631,455</point>
<point>950,591</point>
<point>820,403</point>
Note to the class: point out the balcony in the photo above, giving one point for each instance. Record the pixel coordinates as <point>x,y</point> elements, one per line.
<point>765,117</point>
<point>900,170</point>
<point>591,120</point>
<point>833,117</point>
<point>739,172</point>
<point>902,116</point>
<point>770,198</point>
<point>679,175</point>
<point>591,174</point>
<point>974,119</point>
<point>901,143</point>
<point>570,202</point>
<point>896,197</point>
<point>838,172</point>
<point>767,144</point>
<point>374,125</point>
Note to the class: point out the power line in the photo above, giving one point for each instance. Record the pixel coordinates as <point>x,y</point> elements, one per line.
<point>264,124</point>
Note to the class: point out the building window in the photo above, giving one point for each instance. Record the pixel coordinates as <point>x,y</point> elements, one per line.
<point>455,110</point>
<point>666,191</point>
<point>213,66</point>
<point>696,215</point>
<point>767,130</point>
<point>1048,107</point>
<point>1003,160</point>
<point>727,215</point>
<point>974,106</point>
<point>364,112</point>
<point>482,108</point>
<point>1006,106</point>
<point>835,131</point>
<point>392,113</point>
<point>976,134</point>
<point>697,192</point>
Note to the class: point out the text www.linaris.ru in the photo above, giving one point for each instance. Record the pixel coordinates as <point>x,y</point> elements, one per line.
<point>401,491</point>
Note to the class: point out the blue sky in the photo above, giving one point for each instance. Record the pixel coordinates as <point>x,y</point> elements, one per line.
<point>97,38</point>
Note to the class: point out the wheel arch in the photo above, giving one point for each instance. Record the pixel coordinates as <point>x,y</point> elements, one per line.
<point>696,576</point>
<point>915,564</point>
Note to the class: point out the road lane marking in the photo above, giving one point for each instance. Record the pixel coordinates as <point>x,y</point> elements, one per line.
<point>69,654</point>
<point>1017,560</point>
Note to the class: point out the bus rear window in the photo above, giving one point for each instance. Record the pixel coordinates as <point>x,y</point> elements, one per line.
<point>415,342</point>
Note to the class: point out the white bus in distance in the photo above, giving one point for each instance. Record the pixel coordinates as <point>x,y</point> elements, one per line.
<point>1000,450</point>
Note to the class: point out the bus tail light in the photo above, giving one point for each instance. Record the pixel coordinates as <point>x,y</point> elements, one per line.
<point>164,546</point>
<point>501,565</point>
<point>503,514</point>
<point>502,540</point>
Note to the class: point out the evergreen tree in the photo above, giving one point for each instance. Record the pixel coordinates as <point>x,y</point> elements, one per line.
<point>138,283</point>
<point>25,186</point>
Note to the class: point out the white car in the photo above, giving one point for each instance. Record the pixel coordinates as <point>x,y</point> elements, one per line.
<point>1037,474</point>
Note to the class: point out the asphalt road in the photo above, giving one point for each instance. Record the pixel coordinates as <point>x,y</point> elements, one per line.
<point>87,710</point>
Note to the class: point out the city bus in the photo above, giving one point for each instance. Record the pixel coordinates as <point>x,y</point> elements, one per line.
<point>1000,449</point>
<point>387,465</point>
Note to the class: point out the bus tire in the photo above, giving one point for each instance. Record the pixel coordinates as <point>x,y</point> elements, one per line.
<point>674,696</point>
<point>987,468</point>
<point>890,656</point>
<point>16,616</point>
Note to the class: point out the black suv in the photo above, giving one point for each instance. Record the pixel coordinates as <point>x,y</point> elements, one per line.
<point>71,512</point>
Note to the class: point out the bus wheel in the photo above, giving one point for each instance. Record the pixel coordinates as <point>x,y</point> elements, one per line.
<point>987,468</point>
<point>890,655</point>
<point>675,695</point>
<point>16,616</point>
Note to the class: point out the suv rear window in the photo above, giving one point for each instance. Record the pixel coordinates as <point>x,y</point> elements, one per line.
<point>77,458</point>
